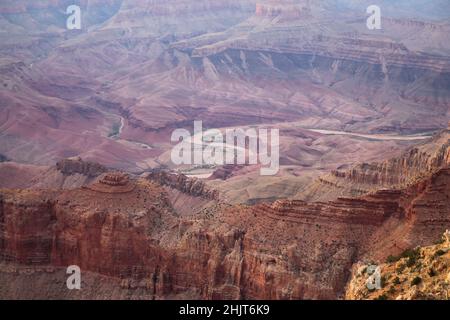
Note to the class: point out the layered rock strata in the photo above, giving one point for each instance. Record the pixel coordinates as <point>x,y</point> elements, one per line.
<point>287,250</point>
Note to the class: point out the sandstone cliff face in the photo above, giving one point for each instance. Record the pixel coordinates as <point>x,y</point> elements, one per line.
<point>287,250</point>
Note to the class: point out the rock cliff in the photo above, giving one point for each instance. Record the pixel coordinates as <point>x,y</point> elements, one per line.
<point>287,250</point>
<point>415,164</point>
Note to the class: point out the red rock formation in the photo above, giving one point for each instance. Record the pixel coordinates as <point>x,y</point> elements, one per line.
<point>180,182</point>
<point>78,166</point>
<point>288,250</point>
<point>127,230</point>
<point>113,182</point>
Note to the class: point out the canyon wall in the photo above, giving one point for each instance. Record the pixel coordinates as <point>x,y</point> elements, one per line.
<point>287,250</point>
<point>412,166</point>
<point>415,164</point>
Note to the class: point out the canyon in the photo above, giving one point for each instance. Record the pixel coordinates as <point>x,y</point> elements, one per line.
<point>86,119</point>
<point>128,229</point>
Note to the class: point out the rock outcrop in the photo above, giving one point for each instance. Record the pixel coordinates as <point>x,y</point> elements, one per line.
<point>190,186</point>
<point>422,273</point>
<point>71,173</point>
<point>78,166</point>
<point>113,182</point>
